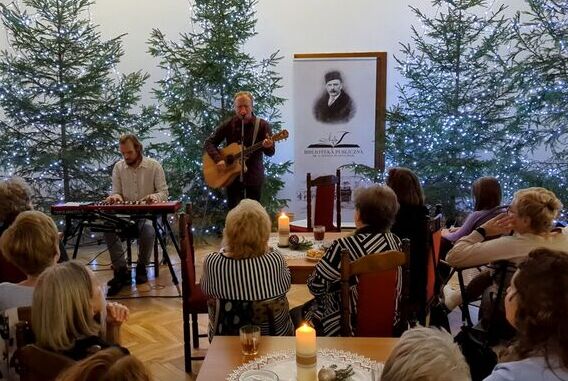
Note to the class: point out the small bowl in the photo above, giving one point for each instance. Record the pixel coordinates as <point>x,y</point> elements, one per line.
<point>258,375</point>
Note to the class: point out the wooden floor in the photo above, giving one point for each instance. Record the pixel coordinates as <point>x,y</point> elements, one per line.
<point>154,332</point>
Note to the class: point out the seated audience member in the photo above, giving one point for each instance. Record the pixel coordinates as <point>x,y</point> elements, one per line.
<point>375,212</point>
<point>31,243</point>
<point>111,364</point>
<point>426,354</point>
<point>486,193</point>
<point>412,222</point>
<point>66,300</point>
<point>246,278</point>
<point>530,217</point>
<point>16,197</point>
<point>536,305</point>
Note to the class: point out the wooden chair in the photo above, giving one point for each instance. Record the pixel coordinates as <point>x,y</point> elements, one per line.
<point>433,280</point>
<point>9,272</point>
<point>194,301</point>
<point>328,191</point>
<point>377,289</point>
<point>37,364</point>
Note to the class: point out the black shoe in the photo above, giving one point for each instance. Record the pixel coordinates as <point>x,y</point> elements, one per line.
<point>121,279</point>
<point>141,274</point>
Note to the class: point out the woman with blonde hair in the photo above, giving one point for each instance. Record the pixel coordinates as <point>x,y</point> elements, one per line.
<point>530,218</point>
<point>66,300</point>
<point>31,243</point>
<point>247,279</point>
<point>426,354</point>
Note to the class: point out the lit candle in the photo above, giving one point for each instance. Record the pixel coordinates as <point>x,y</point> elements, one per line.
<point>283,230</point>
<point>306,350</point>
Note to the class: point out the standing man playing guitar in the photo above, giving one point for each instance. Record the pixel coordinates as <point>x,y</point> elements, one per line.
<point>255,130</point>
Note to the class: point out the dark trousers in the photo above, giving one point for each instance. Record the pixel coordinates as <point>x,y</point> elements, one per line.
<point>236,192</point>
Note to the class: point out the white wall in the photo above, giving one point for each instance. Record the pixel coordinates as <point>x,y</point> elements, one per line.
<point>291,26</point>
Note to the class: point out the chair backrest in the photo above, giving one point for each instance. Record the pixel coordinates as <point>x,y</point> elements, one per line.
<point>33,363</point>
<point>433,260</point>
<point>37,364</point>
<point>379,278</point>
<point>187,252</point>
<point>272,316</point>
<point>9,272</point>
<point>328,190</point>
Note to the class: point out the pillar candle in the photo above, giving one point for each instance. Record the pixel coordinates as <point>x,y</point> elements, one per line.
<point>283,230</point>
<point>306,350</point>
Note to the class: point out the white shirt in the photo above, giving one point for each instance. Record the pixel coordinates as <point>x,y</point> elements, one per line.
<point>133,184</point>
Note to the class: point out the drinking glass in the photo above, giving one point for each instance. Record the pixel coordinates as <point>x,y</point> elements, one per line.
<point>250,339</point>
<point>319,233</point>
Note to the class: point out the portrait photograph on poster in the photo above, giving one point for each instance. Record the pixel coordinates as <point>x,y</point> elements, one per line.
<point>339,115</point>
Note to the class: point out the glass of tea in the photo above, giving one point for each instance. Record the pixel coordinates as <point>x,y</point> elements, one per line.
<point>250,339</point>
<point>319,233</point>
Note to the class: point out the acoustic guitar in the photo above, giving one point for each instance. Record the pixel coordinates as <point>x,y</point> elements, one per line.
<point>216,178</point>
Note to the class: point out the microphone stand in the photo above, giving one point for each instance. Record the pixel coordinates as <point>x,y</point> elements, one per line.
<point>243,156</point>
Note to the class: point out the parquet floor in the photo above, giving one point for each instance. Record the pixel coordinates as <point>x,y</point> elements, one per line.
<point>154,331</point>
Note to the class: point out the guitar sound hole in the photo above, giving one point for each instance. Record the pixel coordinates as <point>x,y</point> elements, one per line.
<point>230,159</point>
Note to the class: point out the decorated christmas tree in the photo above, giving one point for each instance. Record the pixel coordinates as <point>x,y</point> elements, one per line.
<point>203,72</point>
<point>541,56</point>
<point>454,120</point>
<point>64,104</point>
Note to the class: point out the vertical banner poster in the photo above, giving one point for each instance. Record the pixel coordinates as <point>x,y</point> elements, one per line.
<point>339,106</point>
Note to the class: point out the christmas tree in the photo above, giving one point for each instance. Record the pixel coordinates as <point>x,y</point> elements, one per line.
<point>541,55</point>
<point>64,102</point>
<point>454,121</point>
<point>203,72</point>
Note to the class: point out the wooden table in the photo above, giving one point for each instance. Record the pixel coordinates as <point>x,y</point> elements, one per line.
<point>304,224</point>
<point>300,267</point>
<point>224,353</point>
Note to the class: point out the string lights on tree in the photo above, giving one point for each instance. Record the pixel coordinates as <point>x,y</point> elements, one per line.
<point>456,116</point>
<point>203,72</point>
<point>64,103</point>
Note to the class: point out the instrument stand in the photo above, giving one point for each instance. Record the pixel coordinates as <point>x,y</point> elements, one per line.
<point>126,228</point>
<point>242,176</point>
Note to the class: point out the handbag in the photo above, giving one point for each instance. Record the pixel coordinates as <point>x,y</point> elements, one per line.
<point>477,352</point>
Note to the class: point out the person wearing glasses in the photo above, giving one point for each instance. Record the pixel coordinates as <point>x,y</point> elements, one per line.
<point>526,226</point>
<point>536,305</point>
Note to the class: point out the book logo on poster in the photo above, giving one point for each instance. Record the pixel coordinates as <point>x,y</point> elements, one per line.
<point>334,146</point>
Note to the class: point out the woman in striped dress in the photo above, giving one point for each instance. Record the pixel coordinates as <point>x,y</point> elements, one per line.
<point>246,280</point>
<point>375,212</point>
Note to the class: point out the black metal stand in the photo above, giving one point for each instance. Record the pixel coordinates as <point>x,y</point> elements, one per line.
<point>125,228</point>
<point>242,176</point>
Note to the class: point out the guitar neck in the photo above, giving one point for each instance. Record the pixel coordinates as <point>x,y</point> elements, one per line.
<point>252,148</point>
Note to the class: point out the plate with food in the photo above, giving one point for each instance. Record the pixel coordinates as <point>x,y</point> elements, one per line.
<point>315,254</point>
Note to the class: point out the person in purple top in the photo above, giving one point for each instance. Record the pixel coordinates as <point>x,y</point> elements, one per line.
<point>486,193</point>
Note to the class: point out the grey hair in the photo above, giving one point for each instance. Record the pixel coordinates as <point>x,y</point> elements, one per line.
<point>426,354</point>
<point>15,197</point>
